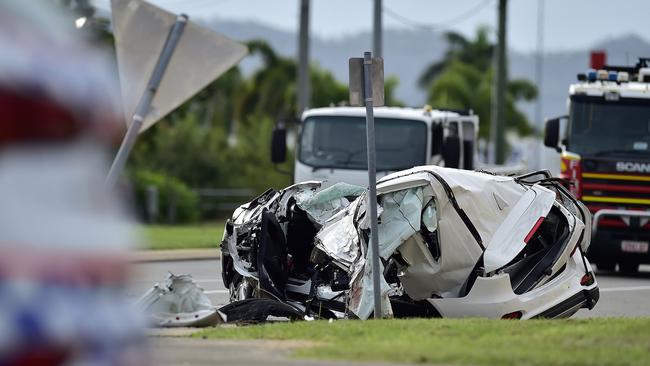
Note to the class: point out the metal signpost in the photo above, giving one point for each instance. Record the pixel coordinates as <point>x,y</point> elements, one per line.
<point>145,102</point>
<point>367,85</point>
<point>163,59</point>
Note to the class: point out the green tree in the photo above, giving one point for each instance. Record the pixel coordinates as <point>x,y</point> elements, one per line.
<point>272,90</point>
<point>477,53</point>
<point>193,144</point>
<point>463,80</point>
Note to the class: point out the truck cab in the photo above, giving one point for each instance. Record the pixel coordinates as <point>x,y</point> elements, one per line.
<point>605,155</point>
<point>331,144</point>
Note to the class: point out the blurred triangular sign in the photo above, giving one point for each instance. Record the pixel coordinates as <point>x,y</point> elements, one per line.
<point>200,57</point>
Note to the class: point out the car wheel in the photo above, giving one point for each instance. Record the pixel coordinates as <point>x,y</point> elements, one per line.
<point>627,267</point>
<point>606,266</point>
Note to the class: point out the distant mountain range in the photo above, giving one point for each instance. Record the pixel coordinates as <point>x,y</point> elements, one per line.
<point>408,52</point>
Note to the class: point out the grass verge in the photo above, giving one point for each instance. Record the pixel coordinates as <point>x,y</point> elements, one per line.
<point>609,341</point>
<point>183,236</point>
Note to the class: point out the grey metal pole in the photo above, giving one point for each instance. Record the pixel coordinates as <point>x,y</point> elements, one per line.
<point>499,116</point>
<point>144,104</point>
<point>303,58</point>
<point>539,63</point>
<point>372,180</point>
<point>377,34</point>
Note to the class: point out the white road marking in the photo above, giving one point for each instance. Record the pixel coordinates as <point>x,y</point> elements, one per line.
<point>216,292</point>
<point>631,288</point>
<point>209,280</point>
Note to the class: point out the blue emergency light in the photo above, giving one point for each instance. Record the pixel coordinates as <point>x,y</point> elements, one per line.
<point>592,74</point>
<point>612,75</point>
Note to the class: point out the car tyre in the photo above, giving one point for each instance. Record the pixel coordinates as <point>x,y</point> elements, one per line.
<point>629,268</point>
<point>606,266</point>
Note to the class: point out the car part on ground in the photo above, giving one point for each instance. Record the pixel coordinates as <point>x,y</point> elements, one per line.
<point>452,243</point>
<point>178,303</point>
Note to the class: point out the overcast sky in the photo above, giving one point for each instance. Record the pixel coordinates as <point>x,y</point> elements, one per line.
<point>568,24</point>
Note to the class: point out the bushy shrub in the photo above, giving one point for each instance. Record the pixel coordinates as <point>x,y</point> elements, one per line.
<point>201,157</point>
<point>173,195</point>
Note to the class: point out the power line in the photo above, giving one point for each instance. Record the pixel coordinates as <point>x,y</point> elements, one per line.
<point>440,25</point>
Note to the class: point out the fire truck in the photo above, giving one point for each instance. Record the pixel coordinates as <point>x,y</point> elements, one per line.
<point>604,145</point>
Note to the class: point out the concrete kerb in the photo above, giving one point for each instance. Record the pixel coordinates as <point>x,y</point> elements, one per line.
<point>174,255</point>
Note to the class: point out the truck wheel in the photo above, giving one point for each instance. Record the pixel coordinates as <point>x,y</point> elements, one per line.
<point>606,266</point>
<point>628,267</point>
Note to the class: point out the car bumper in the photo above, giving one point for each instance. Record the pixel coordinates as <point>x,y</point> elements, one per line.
<point>493,297</point>
<point>585,298</point>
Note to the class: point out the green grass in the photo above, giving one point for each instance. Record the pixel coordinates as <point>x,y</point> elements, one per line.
<point>182,237</point>
<point>610,341</point>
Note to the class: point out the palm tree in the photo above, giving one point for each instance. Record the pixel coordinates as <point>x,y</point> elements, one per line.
<point>273,87</point>
<point>463,80</point>
<point>477,53</point>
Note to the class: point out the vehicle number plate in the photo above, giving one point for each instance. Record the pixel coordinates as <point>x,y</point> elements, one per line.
<point>631,246</point>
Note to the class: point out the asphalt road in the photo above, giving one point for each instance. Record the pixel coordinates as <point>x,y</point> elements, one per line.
<point>620,295</point>
<point>206,273</point>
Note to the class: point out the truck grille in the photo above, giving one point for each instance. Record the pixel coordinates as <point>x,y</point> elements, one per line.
<point>601,188</point>
<point>616,190</point>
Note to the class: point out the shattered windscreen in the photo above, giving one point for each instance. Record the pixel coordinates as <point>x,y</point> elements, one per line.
<point>340,142</point>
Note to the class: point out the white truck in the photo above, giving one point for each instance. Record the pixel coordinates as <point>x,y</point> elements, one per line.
<point>331,144</point>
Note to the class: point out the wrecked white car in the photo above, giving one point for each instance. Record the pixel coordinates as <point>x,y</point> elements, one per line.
<point>452,243</point>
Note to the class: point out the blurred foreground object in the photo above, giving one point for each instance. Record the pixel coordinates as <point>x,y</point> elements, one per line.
<point>63,238</point>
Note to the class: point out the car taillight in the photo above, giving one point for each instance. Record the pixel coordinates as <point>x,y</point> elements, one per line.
<point>513,315</point>
<point>534,229</point>
<point>587,279</point>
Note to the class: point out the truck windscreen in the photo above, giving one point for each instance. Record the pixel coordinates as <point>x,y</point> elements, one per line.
<point>599,127</point>
<point>340,142</point>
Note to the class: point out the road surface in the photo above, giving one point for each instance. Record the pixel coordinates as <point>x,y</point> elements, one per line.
<point>620,295</point>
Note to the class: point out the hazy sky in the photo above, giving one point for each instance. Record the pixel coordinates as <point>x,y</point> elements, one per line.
<point>569,24</point>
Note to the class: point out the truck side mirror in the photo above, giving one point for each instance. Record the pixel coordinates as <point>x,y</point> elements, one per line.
<point>451,151</point>
<point>552,133</point>
<point>279,144</point>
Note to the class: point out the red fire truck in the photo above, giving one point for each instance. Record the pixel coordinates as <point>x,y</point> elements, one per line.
<point>605,155</point>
